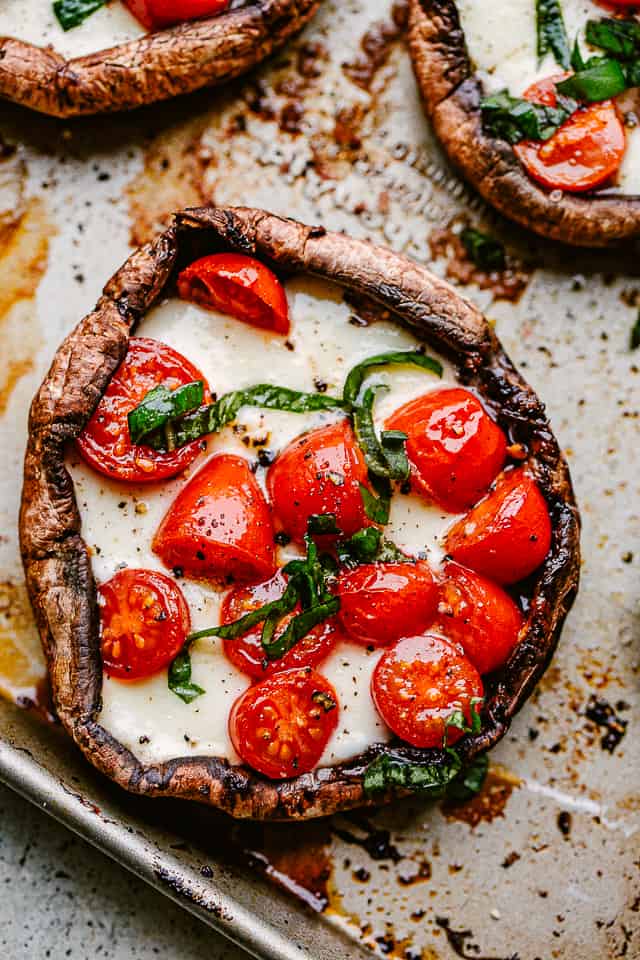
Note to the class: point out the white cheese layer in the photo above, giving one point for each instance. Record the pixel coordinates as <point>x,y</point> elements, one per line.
<point>35,22</point>
<point>119,520</point>
<point>501,39</point>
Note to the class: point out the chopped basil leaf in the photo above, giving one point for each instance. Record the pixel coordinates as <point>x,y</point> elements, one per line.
<point>179,679</point>
<point>322,523</point>
<point>299,627</point>
<point>394,772</point>
<point>552,35</point>
<point>598,81</point>
<point>470,780</point>
<point>577,62</point>
<point>377,508</point>
<point>635,333</point>
<point>71,13</point>
<point>513,119</point>
<point>620,38</point>
<point>369,546</point>
<point>356,376</point>
<point>160,406</point>
<point>487,253</point>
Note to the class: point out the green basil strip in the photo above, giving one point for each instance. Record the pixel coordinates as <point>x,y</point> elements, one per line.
<point>231,631</point>
<point>377,508</point>
<point>356,376</point>
<point>299,627</point>
<point>389,772</point>
<point>160,406</point>
<point>552,34</point>
<point>214,416</point>
<point>369,546</point>
<point>322,523</point>
<point>469,781</point>
<point>71,13</point>
<point>577,62</point>
<point>634,340</point>
<point>602,80</point>
<point>513,119</point>
<point>487,253</point>
<point>620,38</point>
<point>179,679</point>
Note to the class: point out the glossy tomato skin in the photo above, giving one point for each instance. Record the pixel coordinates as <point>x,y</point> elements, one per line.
<point>320,472</point>
<point>507,535</point>
<point>584,152</point>
<point>156,14</point>
<point>478,615</point>
<point>418,683</point>
<point>105,443</point>
<point>381,602</point>
<point>247,653</point>
<point>144,623</point>
<point>455,448</point>
<point>281,726</point>
<point>239,286</point>
<point>219,526</point>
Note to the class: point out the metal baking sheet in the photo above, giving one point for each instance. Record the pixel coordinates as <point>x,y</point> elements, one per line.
<point>544,864</point>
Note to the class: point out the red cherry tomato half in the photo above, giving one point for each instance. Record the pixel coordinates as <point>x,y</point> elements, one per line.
<point>219,526</point>
<point>480,616</point>
<point>105,443</point>
<point>155,14</point>
<point>247,652</point>
<point>281,726</point>
<point>379,603</point>
<point>239,286</point>
<point>320,472</point>
<point>586,150</point>
<point>418,683</point>
<point>454,446</point>
<point>508,534</point>
<point>145,622</point>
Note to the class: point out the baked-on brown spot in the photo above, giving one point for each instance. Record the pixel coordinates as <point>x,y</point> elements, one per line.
<point>508,284</point>
<point>56,561</point>
<point>154,67</point>
<point>451,93</point>
<point>489,803</point>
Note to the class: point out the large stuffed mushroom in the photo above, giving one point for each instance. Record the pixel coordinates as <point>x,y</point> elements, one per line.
<point>330,577</point>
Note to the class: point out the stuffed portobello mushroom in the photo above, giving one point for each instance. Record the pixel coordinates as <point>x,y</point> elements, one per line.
<point>297,535</point>
<point>73,57</point>
<point>536,102</point>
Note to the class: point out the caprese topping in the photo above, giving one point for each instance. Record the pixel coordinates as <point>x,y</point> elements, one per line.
<point>567,129</point>
<point>435,628</point>
<point>152,14</point>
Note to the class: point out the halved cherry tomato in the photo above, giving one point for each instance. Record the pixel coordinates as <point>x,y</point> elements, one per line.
<point>381,602</point>
<point>454,446</point>
<point>320,472</point>
<point>586,150</point>
<point>418,683</point>
<point>155,14</point>
<point>105,443</point>
<point>478,615</point>
<point>508,534</point>
<point>281,726</point>
<point>145,622</point>
<point>247,652</point>
<point>219,526</point>
<point>239,286</point>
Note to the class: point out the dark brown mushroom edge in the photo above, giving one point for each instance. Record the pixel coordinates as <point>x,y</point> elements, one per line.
<point>56,560</point>
<point>154,67</point>
<point>451,94</point>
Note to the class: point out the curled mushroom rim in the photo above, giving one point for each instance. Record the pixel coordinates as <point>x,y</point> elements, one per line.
<point>56,560</point>
<point>451,94</point>
<point>154,67</point>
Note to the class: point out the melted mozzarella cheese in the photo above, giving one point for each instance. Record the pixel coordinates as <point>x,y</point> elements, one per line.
<point>501,39</point>
<point>119,520</point>
<point>35,22</point>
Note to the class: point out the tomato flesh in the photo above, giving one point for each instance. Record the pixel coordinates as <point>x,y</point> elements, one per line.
<point>584,152</point>
<point>478,615</point>
<point>247,652</point>
<point>320,472</point>
<point>156,14</point>
<point>379,603</point>
<point>418,683</point>
<point>455,448</point>
<point>238,286</point>
<point>281,726</point>
<point>508,534</point>
<point>219,526</point>
<point>144,620</point>
<point>105,443</point>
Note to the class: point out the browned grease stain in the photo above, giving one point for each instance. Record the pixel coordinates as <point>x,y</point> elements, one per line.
<point>376,46</point>
<point>487,805</point>
<point>508,284</point>
<point>22,666</point>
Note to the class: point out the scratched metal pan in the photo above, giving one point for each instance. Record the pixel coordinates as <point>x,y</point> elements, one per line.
<point>544,863</point>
